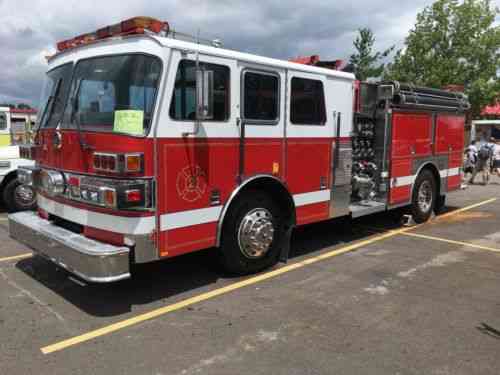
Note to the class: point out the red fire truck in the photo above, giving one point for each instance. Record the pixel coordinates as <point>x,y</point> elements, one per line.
<point>150,146</point>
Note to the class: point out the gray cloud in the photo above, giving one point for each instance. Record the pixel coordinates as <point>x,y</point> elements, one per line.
<point>281,29</point>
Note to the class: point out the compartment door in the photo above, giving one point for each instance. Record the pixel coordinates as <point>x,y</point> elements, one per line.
<point>449,144</point>
<point>411,141</point>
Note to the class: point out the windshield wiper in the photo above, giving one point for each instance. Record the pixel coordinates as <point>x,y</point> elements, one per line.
<point>75,118</point>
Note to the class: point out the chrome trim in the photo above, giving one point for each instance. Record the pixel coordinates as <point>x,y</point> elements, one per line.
<point>236,192</point>
<point>256,233</point>
<point>425,196</point>
<point>144,248</point>
<point>90,260</point>
<point>102,184</point>
<point>52,182</point>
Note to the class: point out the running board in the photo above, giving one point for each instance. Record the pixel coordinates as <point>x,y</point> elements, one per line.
<point>364,208</point>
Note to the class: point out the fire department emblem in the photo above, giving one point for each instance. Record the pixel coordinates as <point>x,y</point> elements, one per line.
<point>191,183</point>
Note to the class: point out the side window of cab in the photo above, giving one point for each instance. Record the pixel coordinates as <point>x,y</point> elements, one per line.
<point>183,104</point>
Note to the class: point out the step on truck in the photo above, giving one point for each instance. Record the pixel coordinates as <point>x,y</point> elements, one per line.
<point>150,145</point>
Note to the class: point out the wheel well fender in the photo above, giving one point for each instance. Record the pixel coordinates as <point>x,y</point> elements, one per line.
<point>8,178</point>
<point>432,167</point>
<point>271,185</point>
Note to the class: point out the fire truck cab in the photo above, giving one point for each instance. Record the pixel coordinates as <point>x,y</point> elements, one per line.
<point>150,147</point>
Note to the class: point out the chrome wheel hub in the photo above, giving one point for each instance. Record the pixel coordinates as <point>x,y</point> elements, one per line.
<point>24,195</point>
<point>425,196</point>
<point>256,233</point>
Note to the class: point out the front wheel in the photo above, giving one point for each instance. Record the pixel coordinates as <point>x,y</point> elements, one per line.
<point>18,197</point>
<point>423,197</point>
<point>253,234</point>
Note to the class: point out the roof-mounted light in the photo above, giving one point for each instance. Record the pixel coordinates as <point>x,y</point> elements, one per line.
<point>136,25</point>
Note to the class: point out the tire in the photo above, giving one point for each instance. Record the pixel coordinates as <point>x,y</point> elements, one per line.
<point>15,199</point>
<point>253,210</point>
<point>424,197</point>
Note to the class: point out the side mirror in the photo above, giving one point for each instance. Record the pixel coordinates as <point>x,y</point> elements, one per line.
<point>204,94</point>
<point>385,92</point>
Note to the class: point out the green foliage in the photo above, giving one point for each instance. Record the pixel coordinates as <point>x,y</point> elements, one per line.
<point>23,106</point>
<point>365,60</point>
<point>453,42</point>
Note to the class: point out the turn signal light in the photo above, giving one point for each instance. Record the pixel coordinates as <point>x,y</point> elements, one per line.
<point>118,163</point>
<point>109,197</point>
<point>133,163</point>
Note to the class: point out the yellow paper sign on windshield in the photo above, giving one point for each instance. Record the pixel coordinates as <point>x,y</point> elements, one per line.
<point>129,121</point>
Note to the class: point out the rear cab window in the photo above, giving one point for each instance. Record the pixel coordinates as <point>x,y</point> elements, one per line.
<point>261,97</point>
<point>307,102</point>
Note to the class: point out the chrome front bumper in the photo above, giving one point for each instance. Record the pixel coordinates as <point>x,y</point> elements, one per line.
<point>90,260</point>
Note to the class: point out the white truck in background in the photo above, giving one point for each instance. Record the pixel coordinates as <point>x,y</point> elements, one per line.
<point>14,195</point>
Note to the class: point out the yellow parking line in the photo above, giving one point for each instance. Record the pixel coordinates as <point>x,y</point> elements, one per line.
<point>209,295</point>
<point>468,208</point>
<point>16,257</point>
<point>227,289</point>
<point>468,244</point>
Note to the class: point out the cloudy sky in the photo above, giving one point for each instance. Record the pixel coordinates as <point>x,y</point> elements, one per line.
<point>29,29</point>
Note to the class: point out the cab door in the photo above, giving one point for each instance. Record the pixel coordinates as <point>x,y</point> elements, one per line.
<point>197,161</point>
<point>261,121</point>
<point>309,136</point>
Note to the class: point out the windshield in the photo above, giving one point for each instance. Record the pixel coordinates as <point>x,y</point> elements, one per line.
<point>114,94</point>
<point>54,94</point>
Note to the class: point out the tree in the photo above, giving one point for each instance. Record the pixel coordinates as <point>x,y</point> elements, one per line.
<point>453,43</point>
<point>365,60</point>
<point>23,106</point>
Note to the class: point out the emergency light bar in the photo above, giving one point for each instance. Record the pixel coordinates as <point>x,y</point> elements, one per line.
<point>136,25</point>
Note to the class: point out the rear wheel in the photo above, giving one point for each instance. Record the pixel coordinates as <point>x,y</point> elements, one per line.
<point>424,197</point>
<point>253,234</point>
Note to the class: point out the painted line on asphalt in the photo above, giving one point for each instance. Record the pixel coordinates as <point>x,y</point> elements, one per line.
<point>468,208</point>
<point>227,289</point>
<point>453,242</point>
<point>209,295</point>
<point>16,257</point>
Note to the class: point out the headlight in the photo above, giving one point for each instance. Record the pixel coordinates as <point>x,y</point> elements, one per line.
<point>25,176</point>
<point>52,182</point>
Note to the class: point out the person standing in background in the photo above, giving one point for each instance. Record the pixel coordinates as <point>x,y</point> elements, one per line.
<point>496,158</point>
<point>483,163</point>
<point>470,161</point>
